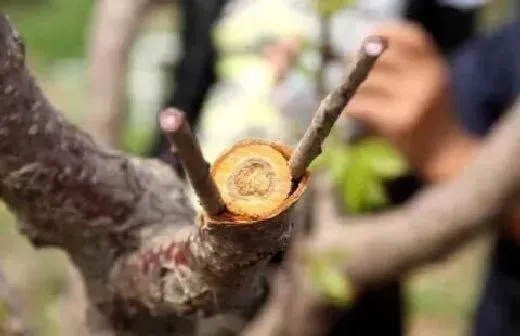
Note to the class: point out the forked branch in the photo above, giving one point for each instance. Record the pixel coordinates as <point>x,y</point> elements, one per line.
<point>175,126</point>
<point>146,257</point>
<point>128,226</point>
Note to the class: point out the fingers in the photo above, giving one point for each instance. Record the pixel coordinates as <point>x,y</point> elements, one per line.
<point>375,96</point>
<point>408,42</point>
<point>407,37</point>
<point>401,82</point>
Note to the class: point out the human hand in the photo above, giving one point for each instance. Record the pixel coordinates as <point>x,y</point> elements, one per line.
<point>407,100</point>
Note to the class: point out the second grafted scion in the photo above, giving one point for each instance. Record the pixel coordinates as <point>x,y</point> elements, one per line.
<point>253,178</point>
<point>330,109</point>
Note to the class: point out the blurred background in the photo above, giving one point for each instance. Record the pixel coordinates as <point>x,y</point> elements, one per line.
<point>56,32</point>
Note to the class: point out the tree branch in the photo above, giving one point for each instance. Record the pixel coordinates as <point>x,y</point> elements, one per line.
<point>386,246</point>
<point>126,222</point>
<point>115,25</point>
<point>438,220</point>
<point>175,126</point>
<point>331,107</point>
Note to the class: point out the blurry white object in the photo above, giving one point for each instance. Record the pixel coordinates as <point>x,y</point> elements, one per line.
<point>241,104</point>
<point>297,101</point>
<point>350,26</point>
<point>383,8</point>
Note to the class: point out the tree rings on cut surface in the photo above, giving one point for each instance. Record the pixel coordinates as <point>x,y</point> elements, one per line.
<point>253,177</point>
<point>254,180</point>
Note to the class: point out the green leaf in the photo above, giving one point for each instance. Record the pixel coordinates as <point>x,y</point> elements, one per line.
<point>382,158</point>
<point>359,171</point>
<point>353,186</point>
<point>40,23</point>
<point>329,7</point>
<point>325,274</point>
<point>376,194</point>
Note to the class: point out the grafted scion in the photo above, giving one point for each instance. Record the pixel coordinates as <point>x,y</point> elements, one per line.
<point>330,109</point>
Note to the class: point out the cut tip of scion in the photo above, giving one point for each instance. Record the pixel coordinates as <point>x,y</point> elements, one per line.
<point>375,45</point>
<point>171,120</point>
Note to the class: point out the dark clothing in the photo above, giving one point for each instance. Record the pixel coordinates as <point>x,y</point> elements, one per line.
<point>382,311</point>
<point>194,74</point>
<point>449,26</point>
<point>486,79</point>
<point>378,312</point>
<point>498,312</point>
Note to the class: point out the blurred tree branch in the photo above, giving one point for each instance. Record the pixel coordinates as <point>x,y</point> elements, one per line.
<point>126,222</point>
<point>12,322</point>
<point>115,25</point>
<point>128,226</point>
<point>382,247</point>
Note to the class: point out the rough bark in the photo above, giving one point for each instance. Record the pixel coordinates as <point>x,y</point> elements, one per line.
<point>126,222</point>
<point>115,25</point>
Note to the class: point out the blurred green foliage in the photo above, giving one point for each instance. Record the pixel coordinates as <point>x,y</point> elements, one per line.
<point>3,313</point>
<point>359,171</point>
<point>4,3</point>
<point>38,277</point>
<point>329,7</point>
<point>51,29</point>
<point>324,272</point>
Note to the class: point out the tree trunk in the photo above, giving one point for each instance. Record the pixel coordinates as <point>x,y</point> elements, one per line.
<point>125,222</point>
<point>128,226</point>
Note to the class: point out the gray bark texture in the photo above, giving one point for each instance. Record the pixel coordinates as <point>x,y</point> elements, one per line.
<point>150,267</point>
